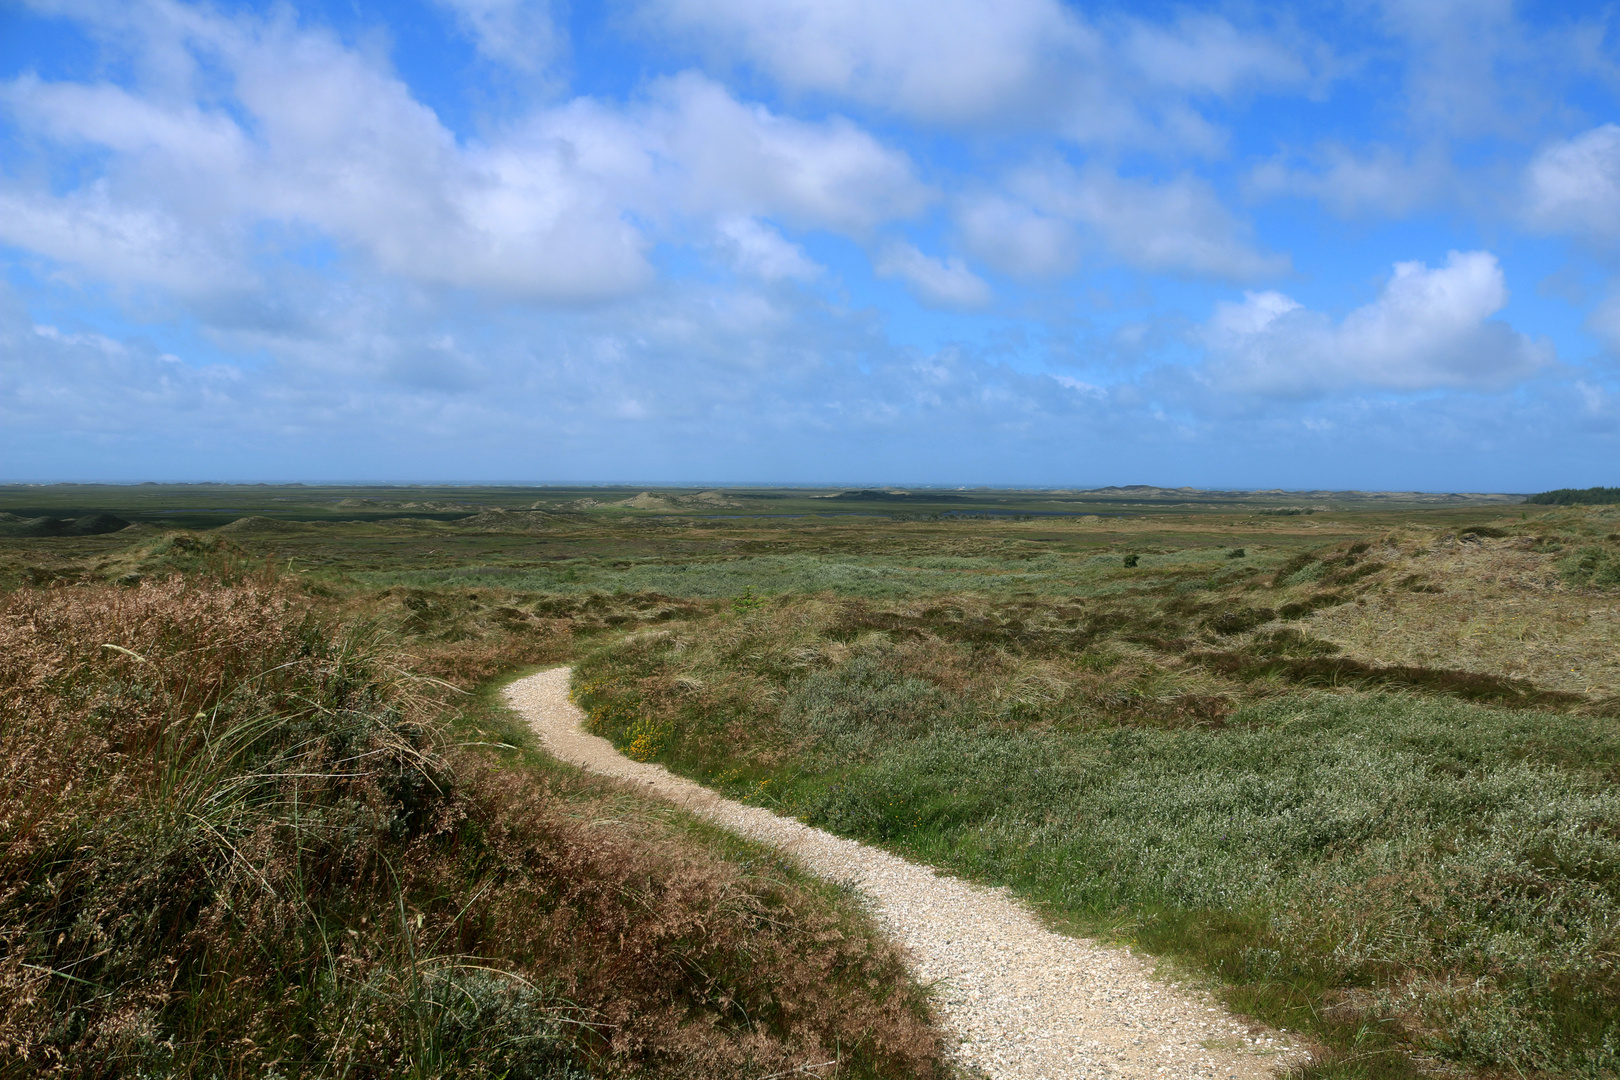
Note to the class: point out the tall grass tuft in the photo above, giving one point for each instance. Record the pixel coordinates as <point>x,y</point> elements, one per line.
<point>236,842</point>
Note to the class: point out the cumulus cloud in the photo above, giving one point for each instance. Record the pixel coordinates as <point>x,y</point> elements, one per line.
<point>1015,238</point>
<point>97,391</point>
<point>1457,47</point>
<point>521,34</point>
<point>1493,68</point>
<point>1604,319</point>
<point>1428,328</point>
<point>768,384</point>
<point>559,207</point>
<point>332,144</point>
<point>937,59</point>
<point>943,283</point>
<point>724,154</point>
<point>1574,185</point>
<point>1177,225</point>
<point>1202,52</point>
<point>971,61</point>
<point>1381,180</point>
<point>411,299</point>
<point>755,248</point>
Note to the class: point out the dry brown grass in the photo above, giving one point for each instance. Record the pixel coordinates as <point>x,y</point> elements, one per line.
<point>1498,607</point>
<point>235,840</point>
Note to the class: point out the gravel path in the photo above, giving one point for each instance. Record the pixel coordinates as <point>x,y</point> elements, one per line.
<point>1019,1001</point>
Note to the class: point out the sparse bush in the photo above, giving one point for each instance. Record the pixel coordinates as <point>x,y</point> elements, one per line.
<point>1239,620</point>
<point>847,712</point>
<point>1592,567</point>
<point>1305,566</point>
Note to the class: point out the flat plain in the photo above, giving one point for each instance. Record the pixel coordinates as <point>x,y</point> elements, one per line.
<point>1347,759</point>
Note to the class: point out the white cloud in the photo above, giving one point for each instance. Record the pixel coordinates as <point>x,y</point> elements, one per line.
<point>1178,225</point>
<point>521,34</point>
<point>729,156</point>
<point>1574,185</point>
<point>970,61</point>
<point>1382,180</point>
<point>91,386</point>
<point>1205,53</point>
<point>937,59</point>
<point>1427,329</point>
<point>755,248</point>
<point>1015,238</point>
<point>1464,69</point>
<point>332,144</point>
<point>1604,319</point>
<point>946,283</point>
<point>559,207</point>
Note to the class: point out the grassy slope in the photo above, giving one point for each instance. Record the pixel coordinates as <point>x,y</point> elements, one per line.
<point>1051,658</point>
<point>240,843</point>
<point>1409,875</point>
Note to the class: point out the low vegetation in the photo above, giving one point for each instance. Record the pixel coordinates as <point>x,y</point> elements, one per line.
<point>1419,864</point>
<point>1576,497</point>
<point>241,841</point>
<point>1353,759</point>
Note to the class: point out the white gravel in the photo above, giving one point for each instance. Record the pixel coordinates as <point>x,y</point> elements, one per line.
<point>1018,1001</point>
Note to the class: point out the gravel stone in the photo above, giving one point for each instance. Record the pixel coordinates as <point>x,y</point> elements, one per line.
<point>1016,1000</point>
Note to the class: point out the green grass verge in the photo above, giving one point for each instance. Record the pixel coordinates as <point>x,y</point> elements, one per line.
<point>1411,878</point>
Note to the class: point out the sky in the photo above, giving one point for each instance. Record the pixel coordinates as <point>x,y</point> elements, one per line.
<point>1359,244</point>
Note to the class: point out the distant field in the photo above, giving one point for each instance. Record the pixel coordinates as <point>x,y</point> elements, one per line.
<point>211,505</point>
<point>1351,757</point>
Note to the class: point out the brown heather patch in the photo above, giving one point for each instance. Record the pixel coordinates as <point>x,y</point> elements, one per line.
<point>233,843</point>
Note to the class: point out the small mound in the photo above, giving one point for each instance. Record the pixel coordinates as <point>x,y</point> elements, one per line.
<point>707,498</point>
<point>258,523</point>
<point>496,519</point>
<point>647,501</point>
<point>89,525</point>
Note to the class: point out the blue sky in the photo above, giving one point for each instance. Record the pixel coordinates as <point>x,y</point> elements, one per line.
<point>1354,244</point>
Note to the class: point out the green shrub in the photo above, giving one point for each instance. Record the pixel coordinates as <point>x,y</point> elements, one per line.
<point>1576,497</point>
<point>849,711</point>
<point>1297,570</point>
<point>1592,567</point>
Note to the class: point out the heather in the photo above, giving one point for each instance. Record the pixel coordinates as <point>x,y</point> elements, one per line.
<point>241,839</point>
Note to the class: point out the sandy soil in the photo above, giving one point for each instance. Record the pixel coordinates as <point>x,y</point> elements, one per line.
<point>1017,1000</point>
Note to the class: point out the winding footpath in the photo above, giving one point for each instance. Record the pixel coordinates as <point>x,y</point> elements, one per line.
<point>1017,1001</point>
